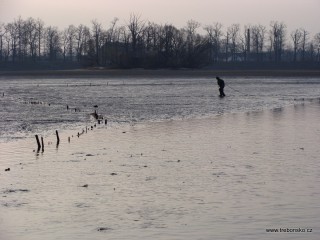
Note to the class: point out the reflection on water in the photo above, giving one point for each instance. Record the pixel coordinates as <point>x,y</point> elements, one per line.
<point>229,176</point>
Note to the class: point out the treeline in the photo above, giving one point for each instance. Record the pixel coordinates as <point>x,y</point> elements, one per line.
<point>140,43</point>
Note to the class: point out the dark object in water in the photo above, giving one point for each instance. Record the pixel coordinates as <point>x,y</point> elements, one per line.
<point>95,115</point>
<point>15,190</point>
<point>86,185</point>
<point>7,170</point>
<point>100,229</point>
<point>42,144</point>
<point>113,174</point>
<point>58,139</point>
<point>221,86</point>
<point>38,142</point>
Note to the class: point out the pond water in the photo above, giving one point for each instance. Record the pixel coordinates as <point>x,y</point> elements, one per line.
<point>174,162</point>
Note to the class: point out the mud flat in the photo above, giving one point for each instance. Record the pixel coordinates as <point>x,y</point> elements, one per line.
<point>232,176</point>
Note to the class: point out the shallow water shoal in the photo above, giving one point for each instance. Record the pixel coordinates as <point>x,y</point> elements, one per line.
<point>225,177</point>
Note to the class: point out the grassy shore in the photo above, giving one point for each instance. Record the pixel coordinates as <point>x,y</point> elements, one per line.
<point>111,73</point>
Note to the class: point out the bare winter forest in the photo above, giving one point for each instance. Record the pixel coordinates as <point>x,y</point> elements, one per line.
<point>30,44</point>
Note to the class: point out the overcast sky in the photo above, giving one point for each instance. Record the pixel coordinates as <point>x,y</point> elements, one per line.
<point>61,13</point>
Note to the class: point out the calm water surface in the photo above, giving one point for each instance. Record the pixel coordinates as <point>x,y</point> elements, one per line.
<point>175,162</point>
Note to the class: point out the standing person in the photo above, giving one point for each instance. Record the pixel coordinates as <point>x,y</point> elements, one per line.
<point>221,86</point>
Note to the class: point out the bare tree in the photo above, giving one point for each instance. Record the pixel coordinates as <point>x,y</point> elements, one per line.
<point>3,31</point>
<point>109,46</point>
<point>258,33</point>
<point>124,37</point>
<point>296,39</point>
<point>246,43</point>
<point>170,45</point>
<point>192,41</point>
<point>82,36</point>
<point>151,37</point>
<point>31,37</point>
<point>65,40</point>
<point>136,27</point>
<point>53,43</point>
<point>191,29</point>
<point>11,39</point>
<point>277,38</point>
<point>311,50</point>
<point>215,34</point>
<point>26,38</point>
<point>142,43</point>
<point>317,44</point>
<point>166,45</point>
<point>40,33</point>
<point>111,30</point>
<point>97,32</point>
<point>304,40</point>
<point>69,37</point>
<point>18,25</point>
<point>233,34</point>
<point>116,49</point>
<point>79,36</point>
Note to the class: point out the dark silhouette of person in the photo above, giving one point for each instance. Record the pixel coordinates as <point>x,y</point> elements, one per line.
<point>221,86</point>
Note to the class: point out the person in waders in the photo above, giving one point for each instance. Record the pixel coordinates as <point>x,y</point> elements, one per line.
<point>221,86</point>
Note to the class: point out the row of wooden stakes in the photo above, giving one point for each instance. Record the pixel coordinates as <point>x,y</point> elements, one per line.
<point>41,143</point>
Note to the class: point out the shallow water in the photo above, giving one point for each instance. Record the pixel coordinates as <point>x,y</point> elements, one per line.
<point>231,176</point>
<point>208,176</point>
<point>31,106</point>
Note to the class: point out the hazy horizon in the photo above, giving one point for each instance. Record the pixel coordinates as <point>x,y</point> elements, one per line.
<point>62,13</point>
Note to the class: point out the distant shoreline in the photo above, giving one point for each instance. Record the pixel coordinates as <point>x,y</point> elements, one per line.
<point>159,73</point>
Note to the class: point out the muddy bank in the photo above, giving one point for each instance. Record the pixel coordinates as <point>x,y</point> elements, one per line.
<point>112,73</point>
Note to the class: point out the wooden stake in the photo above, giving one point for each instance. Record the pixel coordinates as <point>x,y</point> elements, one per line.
<point>38,142</point>
<point>42,144</point>
<point>58,139</point>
